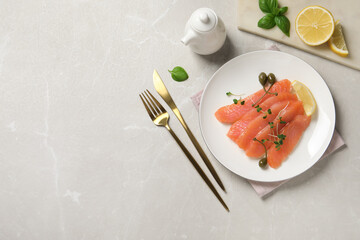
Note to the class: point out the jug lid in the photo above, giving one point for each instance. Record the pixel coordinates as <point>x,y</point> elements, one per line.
<point>203,19</point>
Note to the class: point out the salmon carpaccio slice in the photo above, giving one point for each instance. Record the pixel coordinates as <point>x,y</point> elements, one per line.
<point>257,124</point>
<point>256,149</point>
<point>238,127</point>
<point>293,132</point>
<point>233,112</point>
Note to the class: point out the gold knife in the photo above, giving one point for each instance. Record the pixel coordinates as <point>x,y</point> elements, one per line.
<point>163,92</point>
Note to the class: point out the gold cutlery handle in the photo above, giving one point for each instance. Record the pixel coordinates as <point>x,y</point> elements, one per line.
<point>198,148</point>
<point>197,167</point>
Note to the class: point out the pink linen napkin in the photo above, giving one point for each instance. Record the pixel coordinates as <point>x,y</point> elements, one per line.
<point>264,188</point>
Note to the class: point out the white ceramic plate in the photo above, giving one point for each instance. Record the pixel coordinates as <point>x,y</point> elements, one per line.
<point>240,75</point>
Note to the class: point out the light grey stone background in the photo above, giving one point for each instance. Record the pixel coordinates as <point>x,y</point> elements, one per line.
<point>80,159</point>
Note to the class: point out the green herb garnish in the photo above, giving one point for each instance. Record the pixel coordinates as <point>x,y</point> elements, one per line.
<point>283,23</point>
<point>268,6</point>
<point>281,138</point>
<point>233,94</point>
<point>281,121</point>
<point>179,74</point>
<point>266,113</point>
<point>271,124</point>
<point>274,16</point>
<point>283,10</point>
<point>267,21</point>
<point>263,161</point>
<point>236,100</point>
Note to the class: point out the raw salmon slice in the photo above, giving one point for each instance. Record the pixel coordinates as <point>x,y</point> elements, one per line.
<point>238,127</point>
<point>293,132</point>
<point>257,124</point>
<point>233,112</point>
<point>255,149</point>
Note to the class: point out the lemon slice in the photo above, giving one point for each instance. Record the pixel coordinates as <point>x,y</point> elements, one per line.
<point>305,95</point>
<point>314,25</point>
<point>337,41</point>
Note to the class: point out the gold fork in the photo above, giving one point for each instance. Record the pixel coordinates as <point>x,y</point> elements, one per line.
<point>160,117</point>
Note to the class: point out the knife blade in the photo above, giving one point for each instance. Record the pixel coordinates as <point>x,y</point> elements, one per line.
<point>164,93</point>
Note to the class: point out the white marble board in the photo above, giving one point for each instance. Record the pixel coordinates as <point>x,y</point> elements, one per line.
<point>346,11</point>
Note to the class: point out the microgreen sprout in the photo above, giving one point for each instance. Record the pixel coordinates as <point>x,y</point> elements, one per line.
<point>236,100</point>
<point>233,94</point>
<point>266,113</point>
<point>281,121</point>
<point>280,141</point>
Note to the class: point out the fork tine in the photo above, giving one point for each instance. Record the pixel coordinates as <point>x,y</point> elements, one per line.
<point>156,101</point>
<point>150,105</point>
<point>153,104</point>
<point>147,108</point>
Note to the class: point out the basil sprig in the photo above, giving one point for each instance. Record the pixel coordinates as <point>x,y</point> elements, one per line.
<point>274,16</point>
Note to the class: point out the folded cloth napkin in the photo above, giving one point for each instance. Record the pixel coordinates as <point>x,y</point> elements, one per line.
<point>264,188</point>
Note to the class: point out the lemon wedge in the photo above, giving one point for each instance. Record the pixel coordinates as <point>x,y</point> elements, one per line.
<point>337,41</point>
<point>314,25</point>
<point>305,95</point>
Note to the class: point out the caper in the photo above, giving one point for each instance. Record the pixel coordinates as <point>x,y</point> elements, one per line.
<point>263,162</point>
<point>262,78</point>
<point>271,78</point>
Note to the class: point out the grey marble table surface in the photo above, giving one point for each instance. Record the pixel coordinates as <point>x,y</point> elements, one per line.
<point>80,158</point>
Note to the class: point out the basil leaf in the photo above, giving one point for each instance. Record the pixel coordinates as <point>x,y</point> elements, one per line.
<point>268,6</point>
<point>267,21</point>
<point>264,6</point>
<point>283,10</point>
<point>276,11</point>
<point>179,74</point>
<point>283,23</point>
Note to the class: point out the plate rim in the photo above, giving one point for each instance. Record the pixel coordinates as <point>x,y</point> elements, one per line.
<point>327,140</point>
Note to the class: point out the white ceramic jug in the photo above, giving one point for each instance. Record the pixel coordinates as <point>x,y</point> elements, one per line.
<point>204,32</point>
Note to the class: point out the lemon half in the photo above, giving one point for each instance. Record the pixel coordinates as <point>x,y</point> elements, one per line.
<point>314,25</point>
<point>304,95</point>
